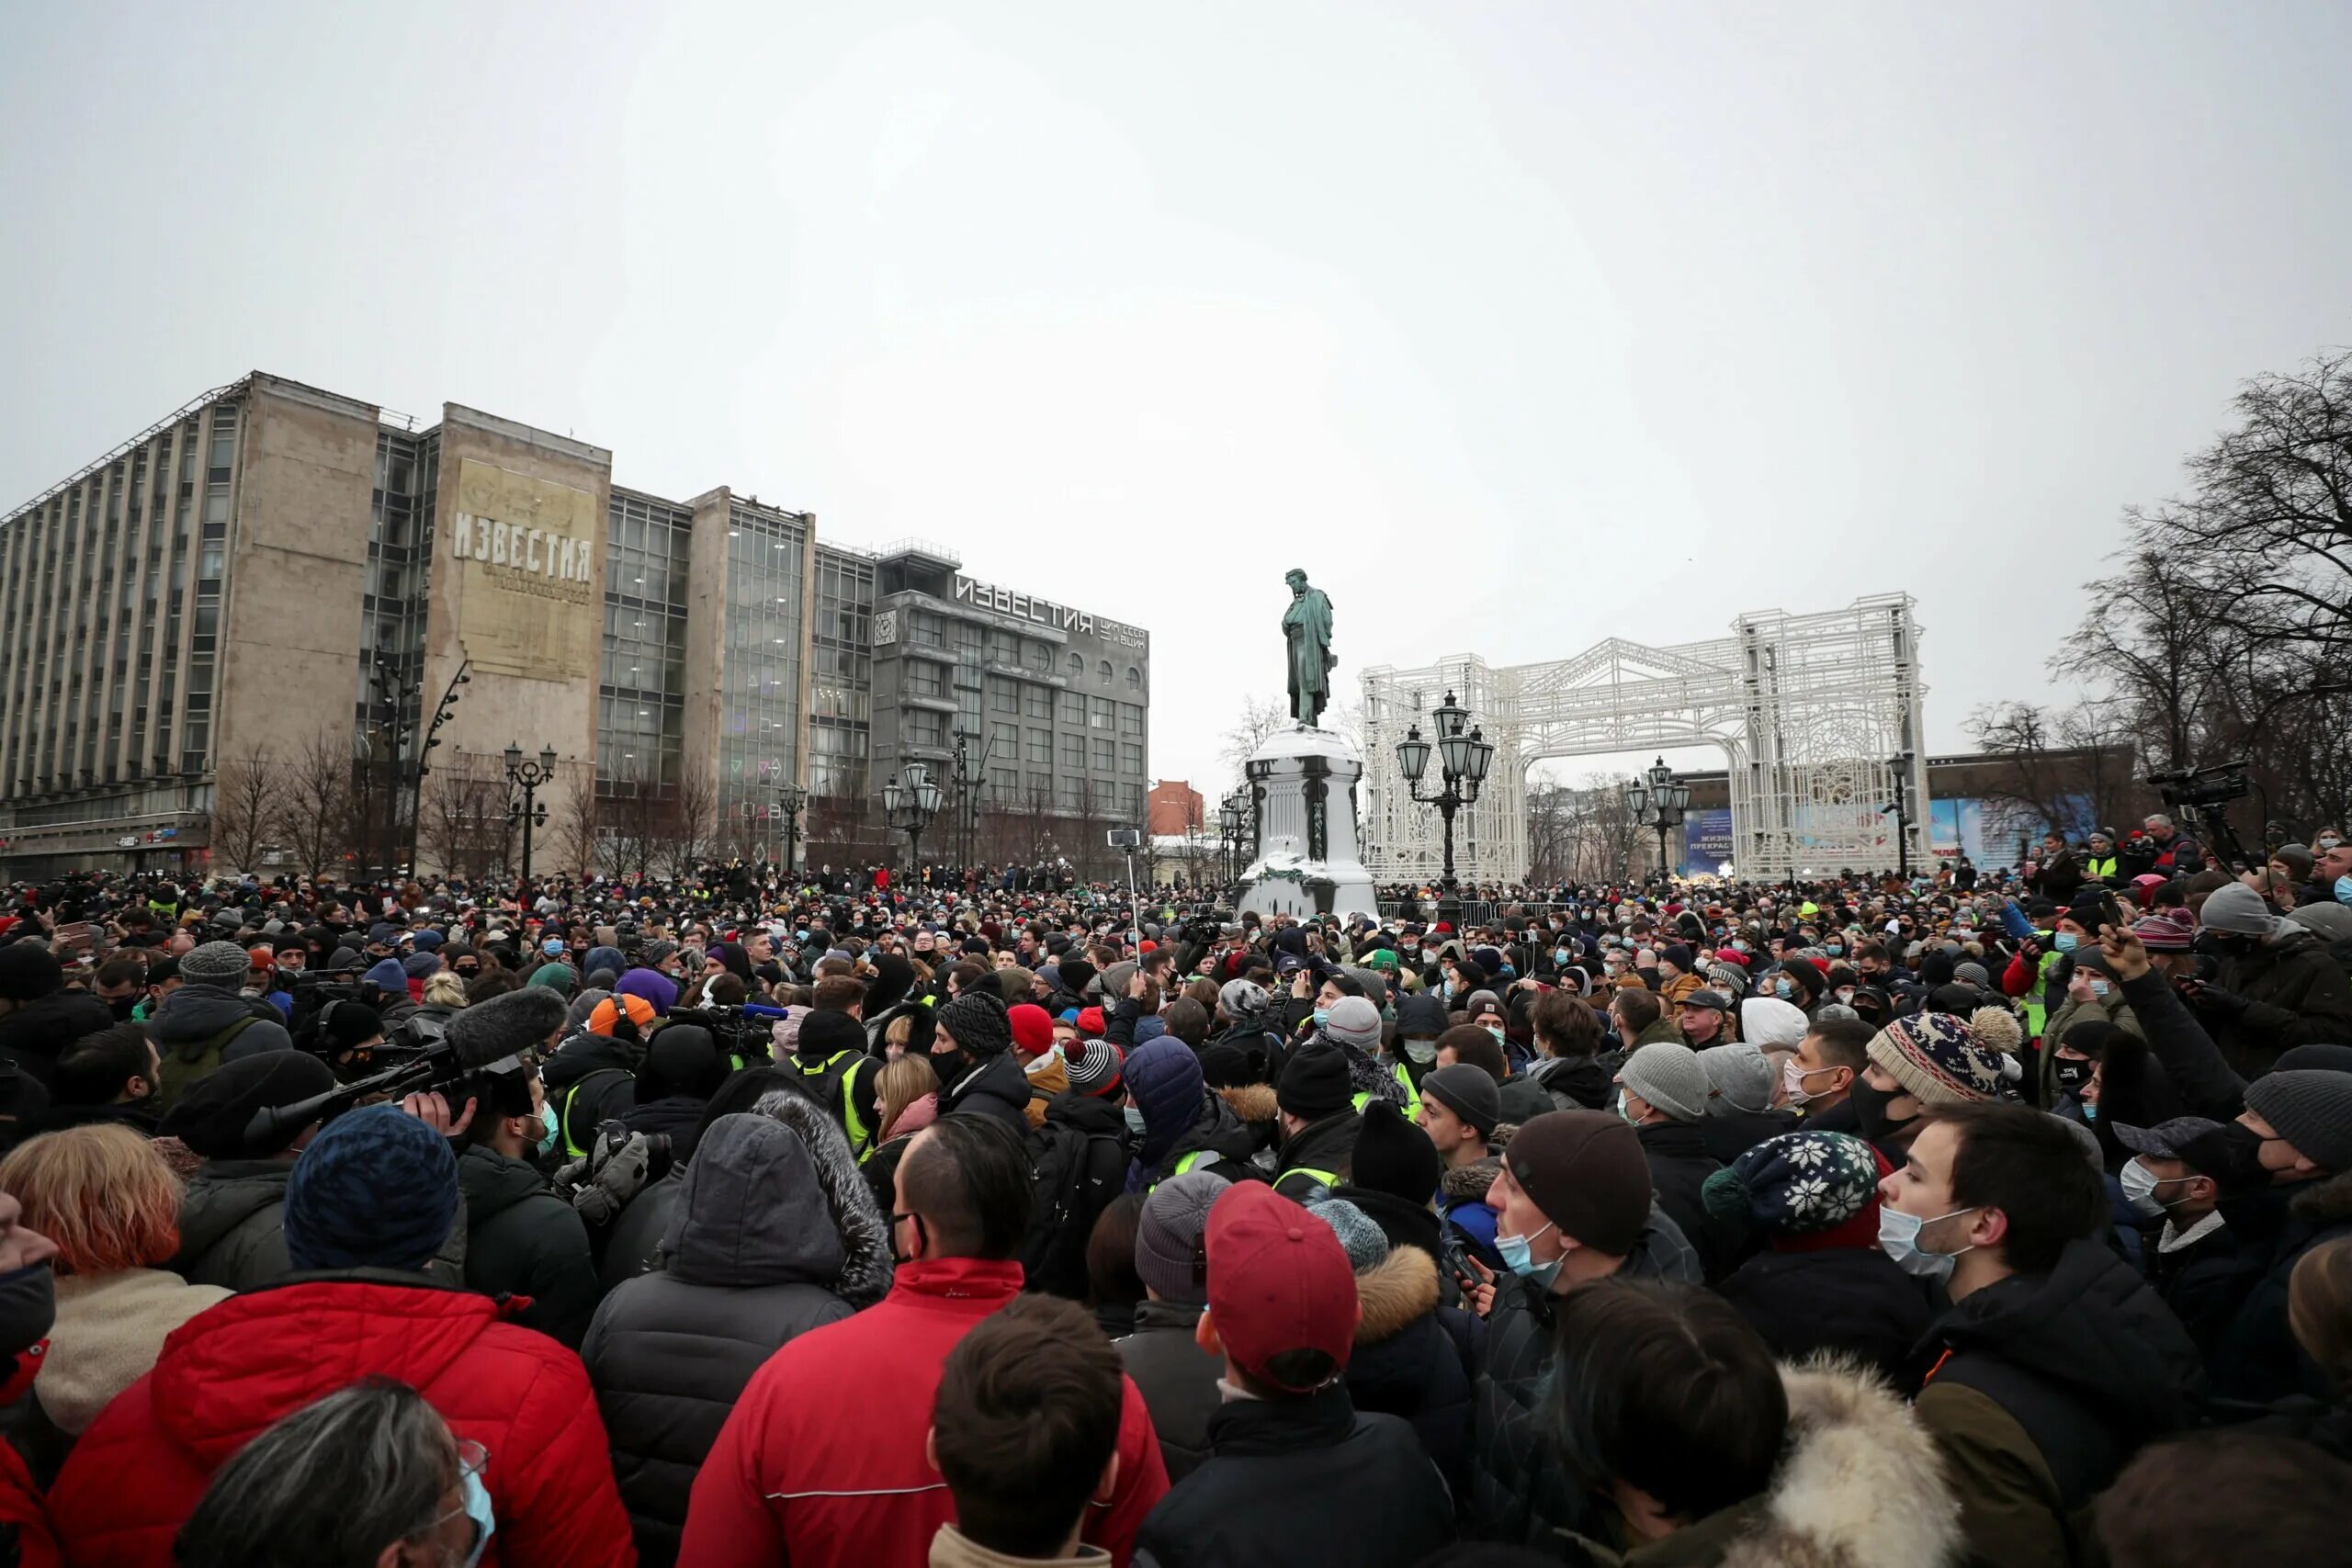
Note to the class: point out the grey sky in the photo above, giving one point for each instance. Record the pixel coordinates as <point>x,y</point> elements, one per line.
<point>1524,325</point>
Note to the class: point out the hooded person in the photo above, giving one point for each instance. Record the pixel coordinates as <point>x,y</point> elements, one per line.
<point>1822,1283</point>
<point>232,1216</point>
<point>38,1017</point>
<point>1163,1356</point>
<point>372,1199</point>
<point>1573,1204</point>
<point>971,1050</point>
<point>205,1022</point>
<point>2276,985</point>
<point>658,990</point>
<point>521,1237</point>
<point>775,1233</point>
<point>681,1069</point>
<point>1183,1126</point>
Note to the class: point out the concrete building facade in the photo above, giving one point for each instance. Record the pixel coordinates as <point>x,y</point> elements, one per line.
<point>274,574</point>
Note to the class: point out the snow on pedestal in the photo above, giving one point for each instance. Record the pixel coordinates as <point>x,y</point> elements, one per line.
<point>1308,860</point>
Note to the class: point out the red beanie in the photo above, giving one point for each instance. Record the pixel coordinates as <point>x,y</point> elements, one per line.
<point>1033,1029</point>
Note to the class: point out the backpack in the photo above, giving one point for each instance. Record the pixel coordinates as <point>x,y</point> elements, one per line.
<point>1073,1176</point>
<point>180,1071</point>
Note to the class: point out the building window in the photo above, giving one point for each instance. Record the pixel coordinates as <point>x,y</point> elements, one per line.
<point>1073,710</point>
<point>1041,657</point>
<point>1104,756</point>
<point>926,728</point>
<point>1102,712</point>
<point>925,679</point>
<point>1004,785</point>
<point>1074,753</point>
<point>1004,742</point>
<point>1040,746</point>
<point>1130,757</point>
<point>1105,671</point>
<point>1130,719</point>
<point>1036,702</point>
<point>1004,697</point>
<point>1135,679</point>
<point>1077,666</point>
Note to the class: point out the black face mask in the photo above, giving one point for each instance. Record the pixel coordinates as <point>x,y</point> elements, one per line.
<point>28,1308</point>
<point>2071,1075</point>
<point>949,1067</point>
<point>1869,1111</point>
<point>2233,1157</point>
<point>120,1007</point>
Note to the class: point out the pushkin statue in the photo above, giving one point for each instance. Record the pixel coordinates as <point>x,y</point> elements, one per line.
<point>1306,626</point>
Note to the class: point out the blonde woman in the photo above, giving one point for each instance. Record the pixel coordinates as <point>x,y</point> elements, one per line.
<point>104,1196</point>
<point>909,1092</point>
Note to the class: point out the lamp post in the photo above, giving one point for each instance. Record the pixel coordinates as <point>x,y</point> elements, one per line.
<point>1659,800</point>
<point>1229,821</point>
<point>528,779</point>
<point>911,800</point>
<point>1900,808</point>
<point>790,801</point>
<point>1463,761</point>
<point>968,795</point>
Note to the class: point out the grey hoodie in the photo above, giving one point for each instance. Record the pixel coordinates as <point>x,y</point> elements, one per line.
<point>757,1254</point>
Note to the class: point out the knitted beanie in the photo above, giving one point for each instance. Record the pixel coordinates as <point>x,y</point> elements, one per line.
<point>1241,998</point>
<point>1797,1183</point>
<point>224,964</point>
<point>978,1021</point>
<point>2162,932</point>
<point>1586,1171</point>
<point>1468,1092</point>
<point>29,971</point>
<point>1354,1021</point>
<point>1936,1060</point>
<point>1033,1029</point>
<point>1315,1082</point>
<point>376,1189</point>
<point>1364,1243</point>
<point>1392,1155</point>
<point>1668,1077</point>
<point>2312,1109</point>
<point>2240,910</point>
<point>1739,1078</point>
<point>1170,1256</point>
<point>1094,1066</point>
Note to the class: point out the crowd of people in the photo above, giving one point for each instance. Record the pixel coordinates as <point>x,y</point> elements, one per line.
<point>988,1219</point>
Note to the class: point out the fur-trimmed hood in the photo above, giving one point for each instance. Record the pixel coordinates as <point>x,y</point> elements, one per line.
<point>865,1273</point>
<point>1253,1102</point>
<point>1860,1487</point>
<point>2326,1202</point>
<point>1468,1183</point>
<point>1397,1293</point>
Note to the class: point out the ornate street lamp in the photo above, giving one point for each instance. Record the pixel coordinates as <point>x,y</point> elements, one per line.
<point>526,779</point>
<point>1659,800</point>
<point>790,801</point>
<point>911,801</point>
<point>1462,760</point>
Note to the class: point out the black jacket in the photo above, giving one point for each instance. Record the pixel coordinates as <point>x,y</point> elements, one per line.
<point>522,1240</point>
<point>1415,1358</point>
<point>996,1088</point>
<point>2254,1356</point>
<point>1268,1495</point>
<point>1177,1380</point>
<point>232,1224</point>
<point>36,1033</point>
<point>1851,1299</point>
<point>758,1254</point>
<point>1326,1146</point>
<point>1728,1134</point>
<point>1680,1165</point>
<point>1576,1083</point>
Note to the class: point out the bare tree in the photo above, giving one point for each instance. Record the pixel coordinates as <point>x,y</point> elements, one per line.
<point>1259,718</point>
<point>462,824</point>
<point>317,802</point>
<point>689,824</point>
<point>578,829</point>
<point>247,800</point>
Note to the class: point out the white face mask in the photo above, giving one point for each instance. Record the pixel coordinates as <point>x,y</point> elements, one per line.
<point>1898,1236</point>
<point>2140,1186</point>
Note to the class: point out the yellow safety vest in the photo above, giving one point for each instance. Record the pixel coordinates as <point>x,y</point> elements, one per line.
<point>1412,1106</point>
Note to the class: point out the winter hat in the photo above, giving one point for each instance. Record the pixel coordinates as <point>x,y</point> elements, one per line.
<point>421,965</point>
<point>1353,1020</point>
<point>2161,933</point>
<point>2312,1109</point>
<point>1278,1281</point>
<point>1768,1021</point>
<point>505,1025</point>
<point>376,1189</point>
<point>1115,978</point>
<point>30,971</point>
<point>1227,1066</point>
<point>1420,1017</point>
<point>1938,1060</point>
<point>1170,1256</point>
<point>606,1016</point>
<point>1077,975</point>
<point>1089,1022</point>
<point>657,989</point>
<point>1394,1156</point>
<point>2239,910</point>
<point>1972,975</point>
<point>1469,1093</point>
<point>827,1032</point>
<point>1668,1077</point>
<point>428,939</point>
<point>2329,922</point>
<point>211,1117</point>
<point>224,964</point>
<point>1033,1030</point>
<point>556,978</point>
<point>1586,1171</point>
<point>2333,1058</point>
<point>1799,1183</point>
<point>1676,953</point>
<point>1093,1066</point>
<point>1364,1243</point>
<point>1315,1083</point>
<point>386,975</point>
<point>652,954</point>
<point>1241,998</point>
<point>350,1024</point>
<point>1739,1078</point>
<point>978,1021</point>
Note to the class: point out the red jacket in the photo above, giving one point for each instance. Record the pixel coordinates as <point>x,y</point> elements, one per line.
<point>821,1464</point>
<point>228,1372</point>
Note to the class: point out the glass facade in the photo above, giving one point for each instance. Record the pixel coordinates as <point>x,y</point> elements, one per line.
<point>399,564</point>
<point>758,688</point>
<point>841,685</point>
<point>641,687</point>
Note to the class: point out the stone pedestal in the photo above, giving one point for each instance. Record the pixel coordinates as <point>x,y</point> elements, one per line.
<point>1306,859</point>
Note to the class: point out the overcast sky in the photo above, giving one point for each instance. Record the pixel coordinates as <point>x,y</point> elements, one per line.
<point>1522,325</point>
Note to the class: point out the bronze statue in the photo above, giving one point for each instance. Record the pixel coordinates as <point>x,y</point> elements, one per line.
<point>1306,626</point>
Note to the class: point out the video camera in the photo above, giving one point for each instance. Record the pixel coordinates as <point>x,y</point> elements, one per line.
<point>2202,797</point>
<point>436,1066</point>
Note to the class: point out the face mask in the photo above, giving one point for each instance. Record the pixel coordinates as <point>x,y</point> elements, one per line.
<point>479,1510</point>
<point>1846,994</point>
<point>1834,949</point>
<point>1560,955</point>
<point>1496,1030</point>
<point>2140,1186</point>
<point>1135,1120</point>
<point>2090,1110</point>
<point>2071,1075</point>
<point>2330,841</point>
<point>1899,1238</point>
<point>1783,990</point>
<point>1792,1079</point>
<point>2065,942</point>
<point>2344,889</point>
<point>1625,1110</point>
<point>1322,1017</point>
<point>28,1308</point>
<point>1422,1050</point>
<point>1514,1254</point>
<point>1869,1111</point>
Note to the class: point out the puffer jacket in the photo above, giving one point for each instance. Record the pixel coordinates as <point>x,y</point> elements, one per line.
<point>1519,1490</point>
<point>522,1240</point>
<point>1851,1299</point>
<point>1416,1359</point>
<point>1178,1379</point>
<point>231,1372</point>
<point>232,1223</point>
<point>1860,1485</point>
<point>757,1254</point>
